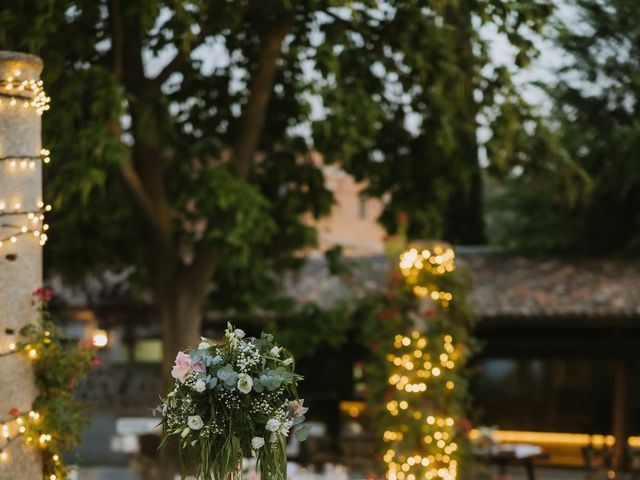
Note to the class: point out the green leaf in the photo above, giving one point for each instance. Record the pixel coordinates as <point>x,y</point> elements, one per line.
<point>302,433</point>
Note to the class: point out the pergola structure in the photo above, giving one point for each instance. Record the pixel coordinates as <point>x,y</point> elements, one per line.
<point>571,309</point>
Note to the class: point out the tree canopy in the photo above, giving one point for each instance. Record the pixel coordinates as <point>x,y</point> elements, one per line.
<point>596,112</point>
<point>181,130</point>
<point>173,123</point>
<point>422,76</point>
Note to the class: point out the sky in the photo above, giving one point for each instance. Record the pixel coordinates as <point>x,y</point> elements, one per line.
<point>541,70</point>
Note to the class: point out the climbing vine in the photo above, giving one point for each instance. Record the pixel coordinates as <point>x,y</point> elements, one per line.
<point>56,418</point>
<point>419,336</point>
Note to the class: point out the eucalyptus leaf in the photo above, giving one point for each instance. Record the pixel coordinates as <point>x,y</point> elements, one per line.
<point>302,433</point>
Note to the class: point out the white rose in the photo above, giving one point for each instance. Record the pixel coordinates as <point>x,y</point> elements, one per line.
<point>245,383</point>
<point>203,346</point>
<point>275,351</point>
<point>200,386</point>
<point>257,443</point>
<point>273,425</point>
<point>195,422</point>
<point>239,333</point>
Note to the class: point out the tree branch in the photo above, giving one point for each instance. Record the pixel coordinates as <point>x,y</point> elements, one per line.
<point>142,183</point>
<point>362,28</point>
<point>117,36</point>
<point>252,121</point>
<point>142,201</point>
<point>183,56</point>
<point>179,60</point>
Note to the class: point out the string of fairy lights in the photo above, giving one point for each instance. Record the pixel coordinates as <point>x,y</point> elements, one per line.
<point>439,262</point>
<point>25,222</point>
<point>416,371</point>
<point>21,222</point>
<point>24,425</point>
<point>26,162</point>
<point>32,224</point>
<point>421,364</point>
<point>24,93</point>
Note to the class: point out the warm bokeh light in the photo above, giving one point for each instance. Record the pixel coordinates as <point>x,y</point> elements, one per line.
<point>100,338</point>
<point>421,362</point>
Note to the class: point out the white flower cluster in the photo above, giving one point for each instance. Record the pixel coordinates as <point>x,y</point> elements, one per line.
<point>248,357</point>
<point>233,336</point>
<point>229,399</point>
<point>266,403</point>
<point>177,410</point>
<point>280,423</point>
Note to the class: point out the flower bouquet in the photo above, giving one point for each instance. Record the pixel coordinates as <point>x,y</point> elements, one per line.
<point>232,400</point>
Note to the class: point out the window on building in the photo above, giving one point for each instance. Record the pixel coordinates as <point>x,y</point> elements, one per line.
<point>362,207</point>
<point>148,351</point>
<point>553,395</point>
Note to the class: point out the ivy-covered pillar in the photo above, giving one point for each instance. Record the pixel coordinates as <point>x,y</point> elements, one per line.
<point>22,102</point>
<point>417,375</point>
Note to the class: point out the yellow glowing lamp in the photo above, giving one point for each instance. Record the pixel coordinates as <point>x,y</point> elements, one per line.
<point>100,338</point>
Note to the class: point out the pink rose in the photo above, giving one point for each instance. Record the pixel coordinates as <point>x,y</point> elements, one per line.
<point>297,408</point>
<point>182,367</point>
<point>198,367</point>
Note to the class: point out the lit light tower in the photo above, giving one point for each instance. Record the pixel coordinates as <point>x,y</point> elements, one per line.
<point>22,234</point>
<point>427,386</point>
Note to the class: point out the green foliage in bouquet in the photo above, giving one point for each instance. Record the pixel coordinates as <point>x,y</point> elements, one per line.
<point>231,400</point>
<point>59,363</point>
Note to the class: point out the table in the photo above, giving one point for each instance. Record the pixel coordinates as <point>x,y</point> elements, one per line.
<point>504,458</point>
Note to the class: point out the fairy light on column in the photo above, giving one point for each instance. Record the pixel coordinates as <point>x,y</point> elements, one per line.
<point>36,344</point>
<point>48,429</point>
<point>34,223</point>
<point>31,347</point>
<point>23,232</point>
<point>27,93</point>
<point>426,387</point>
<point>19,427</point>
<point>28,223</point>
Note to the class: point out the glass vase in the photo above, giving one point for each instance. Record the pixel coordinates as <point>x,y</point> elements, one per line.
<point>237,473</point>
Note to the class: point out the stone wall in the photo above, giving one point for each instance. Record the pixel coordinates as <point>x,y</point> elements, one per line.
<point>20,253</point>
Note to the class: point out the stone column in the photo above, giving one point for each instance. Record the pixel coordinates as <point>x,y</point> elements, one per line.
<point>20,253</point>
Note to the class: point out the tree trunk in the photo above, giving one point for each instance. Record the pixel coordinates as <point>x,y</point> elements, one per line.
<point>465,222</point>
<point>181,324</point>
<point>180,295</point>
<point>180,314</point>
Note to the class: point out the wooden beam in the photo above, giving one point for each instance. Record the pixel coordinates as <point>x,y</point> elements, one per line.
<point>620,414</point>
